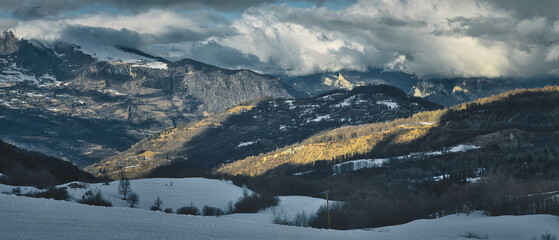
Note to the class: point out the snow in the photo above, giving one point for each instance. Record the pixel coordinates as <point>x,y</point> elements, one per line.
<point>290,103</point>
<point>303,173</point>
<point>30,218</point>
<point>291,205</point>
<point>319,118</point>
<point>175,193</point>
<point>355,165</point>
<point>154,65</point>
<point>114,55</point>
<point>13,73</point>
<point>389,104</point>
<point>346,102</point>
<point>244,144</point>
<point>502,227</point>
<point>114,92</point>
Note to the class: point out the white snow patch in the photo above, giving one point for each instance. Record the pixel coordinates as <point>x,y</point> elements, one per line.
<point>290,103</point>
<point>346,102</point>
<point>303,173</point>
<point>114,92</point>
<point>355,165</point>
<point>154,65</point>
<point>244,144</point>
<point>13,74</point>
<point>389,104</point>
<point>319,118</point>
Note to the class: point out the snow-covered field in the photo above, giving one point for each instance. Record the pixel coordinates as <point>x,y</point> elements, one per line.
<point>502,227</point>
<point>30,218</point>
<point>180,192</point>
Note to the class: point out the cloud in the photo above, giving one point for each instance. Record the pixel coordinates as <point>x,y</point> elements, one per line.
<point>38,9</point>
<point>442,38</point>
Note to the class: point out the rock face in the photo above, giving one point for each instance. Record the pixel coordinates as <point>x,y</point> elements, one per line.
<point>8,43</point>
<point>454,91</point>
<point>64,100</point>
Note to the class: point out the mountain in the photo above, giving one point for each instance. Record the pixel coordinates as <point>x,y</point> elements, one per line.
<point>20,167</point>
<point>256,127</point>
<point>453,91</point>
<point>497,154</point>
<point>521,122</point>
<point>84,103</point>
<point>318,83</point>
<point>444,91</point>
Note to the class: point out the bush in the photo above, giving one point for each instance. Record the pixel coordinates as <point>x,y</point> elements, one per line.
<point>168,210</point>
<point>94,198</point>
<point>301,220</point>
<point>279,216</point>
<point>545,236</point>
<point>190,210</point>
<point>339,217</point>
<point>51,192</point>
<point>212,211</point>
<point>76,185</point>
<point>133,199</point>
<point>474,235</point>
<point>254,202</point>
<point>157,204</point>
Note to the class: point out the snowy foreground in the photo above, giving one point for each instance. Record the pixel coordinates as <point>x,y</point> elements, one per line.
<point>29,218</point>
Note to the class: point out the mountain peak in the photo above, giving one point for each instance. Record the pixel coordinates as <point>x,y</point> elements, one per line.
<point>8,42</point>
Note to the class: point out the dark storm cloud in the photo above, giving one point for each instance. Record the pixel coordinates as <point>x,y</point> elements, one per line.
<point>529,9</point>
<point>223,56</point>
<point>122,37</point>
<point>37,9</point>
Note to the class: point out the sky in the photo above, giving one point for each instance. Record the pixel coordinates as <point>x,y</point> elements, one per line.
<point>428,38</point>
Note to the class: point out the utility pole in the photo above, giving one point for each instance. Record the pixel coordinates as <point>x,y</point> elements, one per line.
<point>328,207</point>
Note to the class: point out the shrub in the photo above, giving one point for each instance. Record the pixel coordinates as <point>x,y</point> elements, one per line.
<point>545,236</point>
<point>168,210</point>
<point>157,204</point>
<point>254,202</point>
<point>76,185</point>
<point>95,198</point>
<point>190,210</point>
<point>133,199</point>
<point>475,235</point>
<point>51,192</point>
<point>339,217</point>
<point>212,211</point>
<point>301,220</point>
<point>279,216</point>
<point>16,190</point>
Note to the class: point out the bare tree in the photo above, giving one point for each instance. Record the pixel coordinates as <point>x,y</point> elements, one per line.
<point>157,204</point>
<point>133,199</point>
<point>124,187</point>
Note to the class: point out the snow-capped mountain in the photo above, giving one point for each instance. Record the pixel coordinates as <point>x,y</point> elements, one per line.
<point>86,102</point>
